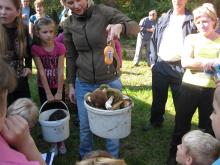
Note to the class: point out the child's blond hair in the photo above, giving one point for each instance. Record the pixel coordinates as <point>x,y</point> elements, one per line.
<point>26,108</point>
<point>101,161</point>
<point>202,147</point>
<point>100,157</point>
<point>39,3</point>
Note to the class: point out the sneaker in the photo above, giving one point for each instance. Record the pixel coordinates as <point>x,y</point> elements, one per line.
<point>53,148</point>
<point>62,148</point>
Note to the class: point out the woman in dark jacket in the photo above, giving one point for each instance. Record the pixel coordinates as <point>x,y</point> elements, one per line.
<point>86,33</point>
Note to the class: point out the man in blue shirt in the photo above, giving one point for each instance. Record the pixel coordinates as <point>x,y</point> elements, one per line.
<point>27,11</point>
<point>143,39</point>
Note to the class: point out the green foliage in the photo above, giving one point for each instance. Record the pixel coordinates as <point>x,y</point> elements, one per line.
<point>136,9</point>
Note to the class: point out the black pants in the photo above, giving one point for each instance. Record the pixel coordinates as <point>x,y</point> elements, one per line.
<point>192,97</point>
<point>21,91</point>
<point>160,86</point>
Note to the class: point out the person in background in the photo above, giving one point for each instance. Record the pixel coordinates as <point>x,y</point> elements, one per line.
<point>48,56</point>
<point>27,11</point>
<point>40,13</point>
<point>197,148</point>
<point>165,51</point>
<point>215,117</point>
<point>63,15</point>
<point>86,34</point>
<point>17,145</point>
<point>200,53</point>
<point>147,25</point>
<point>15,48</point>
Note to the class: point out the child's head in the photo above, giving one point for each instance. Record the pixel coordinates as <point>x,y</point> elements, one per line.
<point>39,6</point>
<point>11,11</point>
<point>26,108</point>
<point>215,116</point>
<point>7,84</point>
<point>197,148</point>
<point>101,161</point>
<point>25,3</point>
<point>44,30</point>
<point>100,157</point>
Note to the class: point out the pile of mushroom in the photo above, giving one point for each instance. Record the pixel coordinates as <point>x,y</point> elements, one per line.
<point>107,98</point>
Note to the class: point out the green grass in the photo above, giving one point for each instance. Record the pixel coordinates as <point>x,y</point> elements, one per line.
<point>139,148</point>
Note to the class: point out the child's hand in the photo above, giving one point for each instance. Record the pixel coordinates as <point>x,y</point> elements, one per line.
<point>26,72</point>
<point>50,97</point>
<point>58,96</point>
<point>16,131</point>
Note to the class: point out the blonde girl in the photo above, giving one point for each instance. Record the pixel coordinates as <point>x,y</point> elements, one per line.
<point>14,46</point>
<point>48,56</point>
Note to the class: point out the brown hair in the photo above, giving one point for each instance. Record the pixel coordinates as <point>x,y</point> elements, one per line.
<point>7,79</point>
<point>37,26</point>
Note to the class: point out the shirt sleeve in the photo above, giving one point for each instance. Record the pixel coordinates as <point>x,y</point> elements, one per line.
<point>61,48</point>
<point>34,50</point>
<point>32,19</point>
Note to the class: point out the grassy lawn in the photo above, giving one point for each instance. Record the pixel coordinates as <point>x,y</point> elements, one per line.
<point>139,148</point>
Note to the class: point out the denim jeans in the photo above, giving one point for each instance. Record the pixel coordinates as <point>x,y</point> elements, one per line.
<point>86,141</point>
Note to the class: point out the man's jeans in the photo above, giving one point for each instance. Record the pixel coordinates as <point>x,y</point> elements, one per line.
<point>81,88</point>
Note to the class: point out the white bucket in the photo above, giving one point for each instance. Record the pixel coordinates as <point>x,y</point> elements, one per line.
<point>111,124</point>
<point>54,131</point>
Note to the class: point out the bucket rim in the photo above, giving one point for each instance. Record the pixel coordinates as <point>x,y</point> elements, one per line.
<point>107,112</point>
<point>46,102</point>
<point>54,123</point>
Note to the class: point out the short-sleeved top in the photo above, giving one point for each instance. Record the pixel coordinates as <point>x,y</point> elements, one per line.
<point>203,48</point>
<point>50,62</point>
<point>10,156</point>
<point>34,18</point>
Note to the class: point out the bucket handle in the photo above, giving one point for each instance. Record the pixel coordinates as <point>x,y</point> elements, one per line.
<point>46,102</point>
